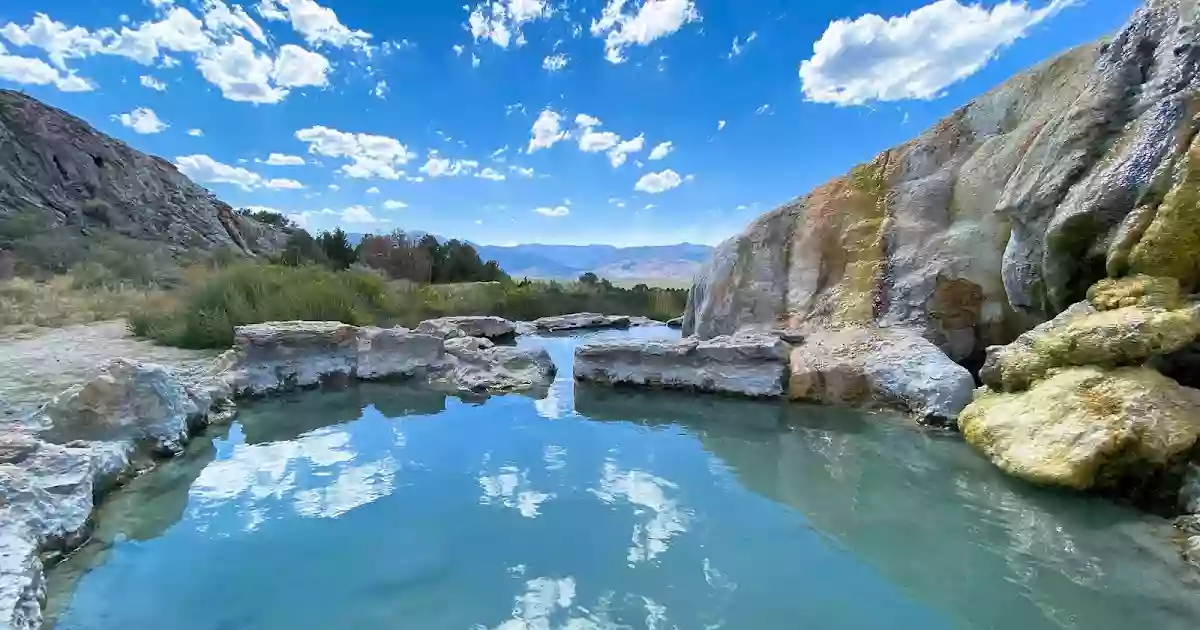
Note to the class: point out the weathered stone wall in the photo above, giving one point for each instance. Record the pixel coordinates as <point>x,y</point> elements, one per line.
<point>1000,215</point>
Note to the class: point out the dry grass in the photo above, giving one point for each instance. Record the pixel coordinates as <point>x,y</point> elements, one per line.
<point>26,304</point>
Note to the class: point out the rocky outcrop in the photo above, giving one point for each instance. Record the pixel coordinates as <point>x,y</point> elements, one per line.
<point>1090,428</point>
<point>487,326</point>
<point>1121,324</point>
<point>745,365</point>
<point>1072,402</point>
<point>998,217</point>
<point>879,367</point>
<point>480,365</point>
<point>59,171</point>
<point>54,468</point>
<point>580,321</point>
<point>281,356</point>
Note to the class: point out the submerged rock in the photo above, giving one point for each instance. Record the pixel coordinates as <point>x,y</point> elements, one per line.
<point>1126,430</point>
<point>580,321</point>
<point>476,326</point>
<point>675,322</point>
<point>746,365</point>
<point>866,367</point>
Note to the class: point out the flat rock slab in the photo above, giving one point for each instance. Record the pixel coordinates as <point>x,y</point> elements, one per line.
<point>279,356</point>
<point>744,365</point>
<point>580,321</point>
<point>473,326</point>
<point>879,367</point>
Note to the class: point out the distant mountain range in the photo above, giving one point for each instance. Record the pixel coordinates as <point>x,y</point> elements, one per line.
<point>664,262</point>
<point>661,262</point>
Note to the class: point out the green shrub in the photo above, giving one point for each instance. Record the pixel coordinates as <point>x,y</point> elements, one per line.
<point>247,294</point>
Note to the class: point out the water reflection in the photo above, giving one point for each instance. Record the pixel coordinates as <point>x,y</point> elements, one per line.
<point>511,488</point>
<point>648,495</point>
<point>382,507</point>
<point>933,517</point>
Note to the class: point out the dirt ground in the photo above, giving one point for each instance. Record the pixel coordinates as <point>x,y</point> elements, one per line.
<point>36,365</point>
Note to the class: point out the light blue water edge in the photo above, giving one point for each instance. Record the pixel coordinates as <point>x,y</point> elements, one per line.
<point>391,507</point>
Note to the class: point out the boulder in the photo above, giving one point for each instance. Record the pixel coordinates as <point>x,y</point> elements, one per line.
<point>638,321</point>
<point>480,365</point>
<point>396,352</point>
<point>580,321</point>
<point>675,322</point>
<point>276,356</point>
<point>746,365</point>
<point>879,367</point>
<point>476,326</point>
<point>1125,430</point>
<point>1121,324</point>
<point>129,401</point>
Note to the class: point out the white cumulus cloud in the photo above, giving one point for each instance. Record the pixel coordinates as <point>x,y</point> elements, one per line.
<point>490,173</point>
<point>368,155</point>
<point>557,211</point>
<point>204,169</point>
<point>316,24</point>
<point>359,215</point>
<point>241,73</point>
<point>619,153</point>
<point>655,183</point>
<point>297,67</point>
<point>501,20</point>
<point>283,184</point>
<point>141,120</point>
<point>393,204</point>
<point>30,71</point>
<point>445,167</point>
<point>554,63</point>
<point>652,20</point>
<point>661,151</point>
<point>913,56</point>
<point>197,133</point>
<point>546,131</point>
<point>282,159</point>
<point>152,83</point>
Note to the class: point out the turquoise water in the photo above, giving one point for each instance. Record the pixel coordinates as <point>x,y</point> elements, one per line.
<point>384,507</point>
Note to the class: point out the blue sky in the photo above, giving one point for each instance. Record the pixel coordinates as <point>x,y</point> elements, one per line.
<point>526,120</point>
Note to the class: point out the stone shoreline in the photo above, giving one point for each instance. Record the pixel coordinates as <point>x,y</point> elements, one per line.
<point>56,465</point>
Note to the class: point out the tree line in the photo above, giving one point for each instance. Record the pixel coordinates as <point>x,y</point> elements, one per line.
<point>422,259</point>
